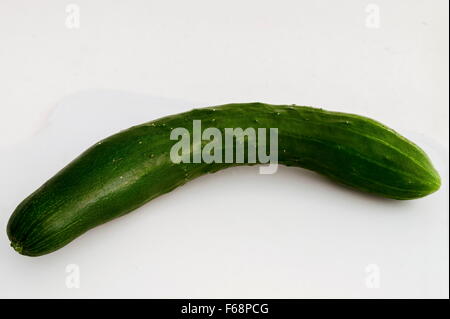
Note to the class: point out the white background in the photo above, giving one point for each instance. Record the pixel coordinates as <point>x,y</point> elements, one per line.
<point>235,233</point>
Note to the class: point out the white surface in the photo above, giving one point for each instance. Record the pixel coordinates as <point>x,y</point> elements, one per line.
<point>231,234</point>
<point>235,233</point>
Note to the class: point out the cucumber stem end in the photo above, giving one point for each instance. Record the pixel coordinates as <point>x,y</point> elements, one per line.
<point>17,247</point>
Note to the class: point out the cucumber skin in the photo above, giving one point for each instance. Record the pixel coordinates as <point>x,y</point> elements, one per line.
<point>130,168</point>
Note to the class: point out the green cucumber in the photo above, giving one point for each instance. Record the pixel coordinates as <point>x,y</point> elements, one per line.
<point>130,168</point>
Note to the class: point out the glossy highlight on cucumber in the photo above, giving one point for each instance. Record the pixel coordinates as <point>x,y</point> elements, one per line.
<point>130,168</point>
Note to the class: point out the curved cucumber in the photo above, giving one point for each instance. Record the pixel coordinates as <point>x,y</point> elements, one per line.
<point>128,169</point>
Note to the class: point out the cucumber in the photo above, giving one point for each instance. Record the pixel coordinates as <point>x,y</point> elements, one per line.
<point>130,168</point>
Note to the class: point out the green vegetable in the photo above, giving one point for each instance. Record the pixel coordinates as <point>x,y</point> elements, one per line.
<point>130,168</point>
